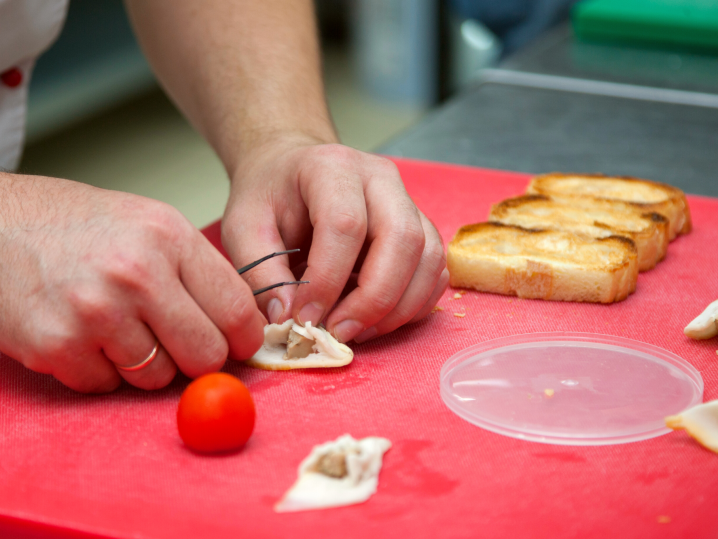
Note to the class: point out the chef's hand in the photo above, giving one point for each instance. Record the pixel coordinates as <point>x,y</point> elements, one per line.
<point>349,212</point>
<point>89,278</point>
<point>248,75</point>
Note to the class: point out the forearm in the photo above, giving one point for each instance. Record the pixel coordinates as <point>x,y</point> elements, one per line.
<point>243,71</point>
<point>26,202</point>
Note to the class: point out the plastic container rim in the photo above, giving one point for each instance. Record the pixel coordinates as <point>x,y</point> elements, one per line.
<point>558,336</point>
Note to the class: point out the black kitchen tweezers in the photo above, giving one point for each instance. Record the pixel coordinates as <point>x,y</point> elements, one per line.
<point>257,262</point>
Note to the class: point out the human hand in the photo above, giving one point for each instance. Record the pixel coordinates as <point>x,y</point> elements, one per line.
<point>89,277</point>
<point>349,212</point>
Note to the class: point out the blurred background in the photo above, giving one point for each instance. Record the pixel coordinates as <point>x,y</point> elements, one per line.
<point>96,114</point>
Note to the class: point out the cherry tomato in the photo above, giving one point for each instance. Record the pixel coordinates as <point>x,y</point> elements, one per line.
<point>215,413</point>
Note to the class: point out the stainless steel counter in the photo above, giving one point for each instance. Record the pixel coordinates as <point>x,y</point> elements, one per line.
<point>558,53</point>
<point>570,124</point>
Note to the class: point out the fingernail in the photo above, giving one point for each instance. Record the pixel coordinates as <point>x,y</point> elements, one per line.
<point>311,312</point>
<point>365,336</point>
<point>274,310</point>
<point>345,331</point>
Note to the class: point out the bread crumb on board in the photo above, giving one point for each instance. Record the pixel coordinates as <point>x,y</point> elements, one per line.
<point>548,392</point>
<point>457,296</point>
<point>459,315</point>
<point>436,308</point>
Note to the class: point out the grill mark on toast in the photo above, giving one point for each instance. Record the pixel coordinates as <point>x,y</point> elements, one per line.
<point>623,239</point>
<point>655,217</point>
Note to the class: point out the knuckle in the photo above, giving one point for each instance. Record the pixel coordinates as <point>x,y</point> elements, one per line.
<point>213,355</point>
<point>414,235</point>
<point>337,154</point>
<point>386,167</point>
<point>58,346</point>
<point>350,223</point>
<point>326,284</point>
<point>91,305</point>
<point>130,270</point>
<point>167,225</point>
<point>435,256</point>
<point>381,303</point>
<point>237,316</point>
<point>410,234</point>
<point>214,360</point>
<point>401,315</point>
<point>217,358</point>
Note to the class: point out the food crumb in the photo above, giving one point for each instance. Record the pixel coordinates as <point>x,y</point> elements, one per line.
<point>664,519</point>
<point>548,392</point>
<point>457,296</point>
<point>437,308</point>
<point>459,315</point>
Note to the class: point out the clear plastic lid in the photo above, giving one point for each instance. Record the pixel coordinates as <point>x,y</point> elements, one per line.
<point>569,388</point>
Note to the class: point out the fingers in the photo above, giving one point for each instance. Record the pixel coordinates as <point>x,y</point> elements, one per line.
<point>250,238</point>
<point>196,305</point>
<point>195,344</point>
<point>423,286</point>
<point>129,345</point>
<point>355,210</point>
<point>199,312</point>
<point>338,213</point>
<point>439,290</point>
<point>426,287</point>
<point>226,320</point>
<point>156,374</point>
<point>396,241</point>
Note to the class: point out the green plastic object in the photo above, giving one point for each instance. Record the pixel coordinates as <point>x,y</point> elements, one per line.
<point>683,25</point>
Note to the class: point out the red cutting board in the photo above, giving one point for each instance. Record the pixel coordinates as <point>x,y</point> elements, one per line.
<point>113,466</point>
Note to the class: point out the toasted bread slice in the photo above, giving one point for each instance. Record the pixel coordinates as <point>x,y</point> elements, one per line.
<point>545,264</point>
<point>649,196</point>
<point>590,216</point>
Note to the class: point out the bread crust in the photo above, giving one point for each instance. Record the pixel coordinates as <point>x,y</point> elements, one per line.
<point>542,264</point>
<point>647,196</point>
<point>592,217</point>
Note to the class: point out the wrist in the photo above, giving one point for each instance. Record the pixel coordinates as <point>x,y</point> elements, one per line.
<point>262,145</point>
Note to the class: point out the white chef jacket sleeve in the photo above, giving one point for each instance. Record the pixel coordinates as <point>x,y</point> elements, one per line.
<point>27,28</point>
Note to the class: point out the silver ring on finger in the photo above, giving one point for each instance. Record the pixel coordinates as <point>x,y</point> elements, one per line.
<point>142,364</point>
